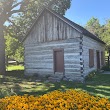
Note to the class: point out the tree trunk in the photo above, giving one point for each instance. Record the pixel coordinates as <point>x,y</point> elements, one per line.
<point>2,51</point>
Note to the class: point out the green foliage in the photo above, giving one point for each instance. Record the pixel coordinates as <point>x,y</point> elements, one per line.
<point>105,36</point>
<point>61,6</point>
<point>24,21</point>
<point>10,45</point>
<point>19,54</point>
<point>14,49</point>
<point>101,31</point>
<point>106,68</point>
<point>93,26</point>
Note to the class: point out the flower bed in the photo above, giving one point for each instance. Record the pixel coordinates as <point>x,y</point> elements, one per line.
<point>69,100</point>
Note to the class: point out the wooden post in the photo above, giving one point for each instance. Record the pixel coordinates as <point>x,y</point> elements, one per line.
<point>108,61</point>
<point>109,52</point>
<point>7,62</point>
<point>109,58</point>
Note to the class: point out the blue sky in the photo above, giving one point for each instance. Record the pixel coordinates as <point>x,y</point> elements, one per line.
<point>82,10</point>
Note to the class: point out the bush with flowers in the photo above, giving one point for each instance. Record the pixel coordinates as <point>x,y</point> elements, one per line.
<point>56,100</point>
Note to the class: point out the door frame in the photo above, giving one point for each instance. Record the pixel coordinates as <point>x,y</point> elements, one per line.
<point>98,59</point>
<point>56,50</point>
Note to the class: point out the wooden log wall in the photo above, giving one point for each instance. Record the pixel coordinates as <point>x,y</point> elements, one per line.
<point>51,33</point>
<point>89,43</point>
<point>39,57</point>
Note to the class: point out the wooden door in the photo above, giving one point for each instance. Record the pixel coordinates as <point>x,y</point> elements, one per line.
<point>59,60</point>
<point>98,59</point>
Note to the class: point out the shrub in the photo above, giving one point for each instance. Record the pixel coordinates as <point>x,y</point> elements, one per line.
<point>68,100</point>
<point>106,68</point>
<point>6,92</point>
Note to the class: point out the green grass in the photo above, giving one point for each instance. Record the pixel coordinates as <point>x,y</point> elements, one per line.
<point>14,82</point>
<point>15,67</point>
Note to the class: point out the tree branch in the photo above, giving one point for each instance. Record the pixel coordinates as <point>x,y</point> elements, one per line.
<point>12,22</point>
<point>11,34</point>
<point>52,3</point>
<point>14,11</point>
<point>16,4</point>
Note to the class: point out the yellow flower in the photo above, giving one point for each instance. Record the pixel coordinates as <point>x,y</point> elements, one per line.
<point>56,100</point>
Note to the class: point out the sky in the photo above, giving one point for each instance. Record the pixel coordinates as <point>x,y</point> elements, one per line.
<point>83,10</point>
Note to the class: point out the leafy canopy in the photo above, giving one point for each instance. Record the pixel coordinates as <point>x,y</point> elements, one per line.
<point>101,31</point>
<point>18,24</point>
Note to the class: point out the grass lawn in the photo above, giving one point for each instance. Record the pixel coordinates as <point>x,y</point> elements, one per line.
<point>16,83</point>
<point>15,67</point>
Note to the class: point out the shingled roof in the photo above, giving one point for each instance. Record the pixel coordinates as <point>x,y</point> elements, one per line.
<point>71,23</point>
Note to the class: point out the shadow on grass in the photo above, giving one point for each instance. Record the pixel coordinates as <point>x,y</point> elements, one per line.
<point>20,85</point>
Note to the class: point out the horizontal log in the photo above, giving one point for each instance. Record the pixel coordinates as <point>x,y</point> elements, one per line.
<point>51,47</point>
<point>38,61</point>
<point>53,43</point>
<point>47,61</point>
<point>73,76</point>
<point>39,52</point>
<point>72,70</point>
<point>66,55</point>
<point>73,40</point>
<point>71,62</point>
<point>72,54</point>
<point>72,57</point>
<point>40,57</point>
<point>72,50</point>
<point>39,65</point>
<point>72,66</point>
<point>39,70</point>
<point>33,72</point>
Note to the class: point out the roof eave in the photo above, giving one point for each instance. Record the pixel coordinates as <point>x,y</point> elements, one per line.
<point>94,37</point>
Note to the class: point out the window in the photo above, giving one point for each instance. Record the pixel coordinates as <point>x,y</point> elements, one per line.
<point>91,58</point>
<point>102,58</point>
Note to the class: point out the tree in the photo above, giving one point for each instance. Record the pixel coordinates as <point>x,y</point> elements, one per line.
<point>101,31</point>
<point>14,49</point>
<point>93,26</point>
<point>7,9</point>
<point>11,45</point>
<point>27,9</point>
<point>105,35</point>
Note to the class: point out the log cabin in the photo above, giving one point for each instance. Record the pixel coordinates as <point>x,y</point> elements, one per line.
<point>56,46</point>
